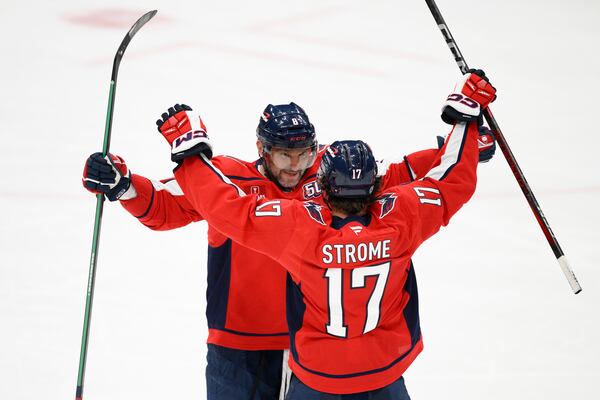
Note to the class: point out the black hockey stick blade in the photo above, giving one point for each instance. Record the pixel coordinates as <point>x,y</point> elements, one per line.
<point>134,29</point>
<point>510,158</point>
<point>115,72</point>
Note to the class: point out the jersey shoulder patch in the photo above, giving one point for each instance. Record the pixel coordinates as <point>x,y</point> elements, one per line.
<point>314,211</point>
<point>387,202</point>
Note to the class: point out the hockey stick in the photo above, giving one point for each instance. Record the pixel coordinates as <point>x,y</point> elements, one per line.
<point>100,201</point>
<point>510,158</point>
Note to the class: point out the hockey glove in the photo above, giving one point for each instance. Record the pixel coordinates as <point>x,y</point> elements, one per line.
<point>473,93</point>
<point>108,176</point>
<point>486,143</point>
<point>185,132</point>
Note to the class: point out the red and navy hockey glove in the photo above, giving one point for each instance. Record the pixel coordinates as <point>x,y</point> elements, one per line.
<point>477,86</point>
<point>108,176</point>
<point>472,94</point>
<point>486,143</point>
<point>185,132</point>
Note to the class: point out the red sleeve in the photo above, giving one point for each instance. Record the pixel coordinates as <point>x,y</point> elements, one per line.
<point>412,167</point>
<point>429,203</point>
<point>266,226</point>
<point>160,205</point>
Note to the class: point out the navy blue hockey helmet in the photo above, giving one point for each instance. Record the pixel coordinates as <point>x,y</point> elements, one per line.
<point>349,169</point>
<point>286,126</point>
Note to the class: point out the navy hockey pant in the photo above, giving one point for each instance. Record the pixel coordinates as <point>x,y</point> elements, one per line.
<point>243,375</point>
<point>394,391</point>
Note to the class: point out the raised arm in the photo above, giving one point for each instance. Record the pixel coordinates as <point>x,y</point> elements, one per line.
<point>429,203</point>
<point>245,219</point>
<point>425,205</point>
<point>415,166</point>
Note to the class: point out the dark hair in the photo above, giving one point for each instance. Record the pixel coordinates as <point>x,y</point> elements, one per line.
<point>348,205</point>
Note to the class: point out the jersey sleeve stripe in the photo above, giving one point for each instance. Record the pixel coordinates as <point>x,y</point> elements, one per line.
<point>223,177</point>
<point>409,169</point>
<point>452,153</point>
<point>149,205</point>
<point>170,186</point>
<point>244,178</point>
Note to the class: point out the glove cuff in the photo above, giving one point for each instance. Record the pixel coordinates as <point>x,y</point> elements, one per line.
<point>198,146</point>
<point>458,107</point>
<point>130,193</point>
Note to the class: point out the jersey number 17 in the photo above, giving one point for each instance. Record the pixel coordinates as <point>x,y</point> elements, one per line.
<point>335,297</point>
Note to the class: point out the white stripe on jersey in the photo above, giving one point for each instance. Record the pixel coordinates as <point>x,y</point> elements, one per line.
<point>171,186</point>
<point>451,153</point>
<point>218,172</point>
<point>234,159</point>
<point>410,171</point>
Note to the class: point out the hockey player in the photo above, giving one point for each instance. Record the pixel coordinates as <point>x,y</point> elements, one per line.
<point>352,296</point>
<point>246,289</point>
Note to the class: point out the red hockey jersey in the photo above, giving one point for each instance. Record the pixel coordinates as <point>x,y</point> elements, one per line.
<point>246,290</point>
<point>352,300</point>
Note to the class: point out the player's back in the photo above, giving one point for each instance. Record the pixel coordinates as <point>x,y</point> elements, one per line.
<point>353,305</point>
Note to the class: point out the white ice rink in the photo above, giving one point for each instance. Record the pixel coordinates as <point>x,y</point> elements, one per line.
<point>498,317</point>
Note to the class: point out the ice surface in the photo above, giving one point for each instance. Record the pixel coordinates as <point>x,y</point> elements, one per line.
<point>498,317</point>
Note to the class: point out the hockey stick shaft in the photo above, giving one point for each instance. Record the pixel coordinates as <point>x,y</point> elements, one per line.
<point>100,204</point>
<point>510,158</point>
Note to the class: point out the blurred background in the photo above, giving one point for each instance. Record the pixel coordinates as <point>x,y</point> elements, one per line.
<point>498,317</point>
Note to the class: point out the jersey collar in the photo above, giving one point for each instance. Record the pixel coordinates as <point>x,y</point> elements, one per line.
<point>339,223</point>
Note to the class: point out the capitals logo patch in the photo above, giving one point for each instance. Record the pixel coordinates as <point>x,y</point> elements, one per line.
<point>314,210</point>
<point>387,201</point>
